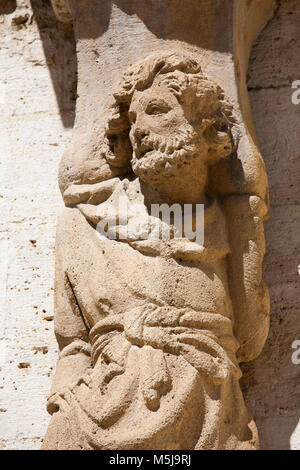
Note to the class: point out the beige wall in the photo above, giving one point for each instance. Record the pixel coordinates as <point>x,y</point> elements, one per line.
<point>272,385</point>
<point>35,107</point>
<point>37,92</point>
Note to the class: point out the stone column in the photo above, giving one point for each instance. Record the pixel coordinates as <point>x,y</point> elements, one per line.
<point>163,116</point>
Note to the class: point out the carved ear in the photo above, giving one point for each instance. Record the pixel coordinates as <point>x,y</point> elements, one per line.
<point>219,142</point>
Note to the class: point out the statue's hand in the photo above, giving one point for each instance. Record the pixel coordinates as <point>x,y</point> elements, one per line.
<point>90,193</point>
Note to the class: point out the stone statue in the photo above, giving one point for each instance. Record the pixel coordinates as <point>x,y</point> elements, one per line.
<point>151,330</point>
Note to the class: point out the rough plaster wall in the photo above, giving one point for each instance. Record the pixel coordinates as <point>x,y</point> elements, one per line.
<point>35,100</point>
<point>37,89</point>
<point>272,382</point>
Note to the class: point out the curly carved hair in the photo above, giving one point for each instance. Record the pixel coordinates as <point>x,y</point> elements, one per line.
<point>204,100</point>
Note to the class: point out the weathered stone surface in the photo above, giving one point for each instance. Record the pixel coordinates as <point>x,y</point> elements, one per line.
<point>152,328</point>
<point>273,68</point>
<point>270,383</point>
<point>32,138</point>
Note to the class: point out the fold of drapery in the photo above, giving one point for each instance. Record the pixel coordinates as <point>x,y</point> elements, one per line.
<point>205,340</point>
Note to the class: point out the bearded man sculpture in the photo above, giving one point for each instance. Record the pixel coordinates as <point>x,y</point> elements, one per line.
<point>151,331</point>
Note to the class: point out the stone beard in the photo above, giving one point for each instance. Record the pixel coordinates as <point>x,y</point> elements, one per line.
<point>149,333</point>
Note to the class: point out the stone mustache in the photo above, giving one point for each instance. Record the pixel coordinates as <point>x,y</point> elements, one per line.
<point>151,331</point>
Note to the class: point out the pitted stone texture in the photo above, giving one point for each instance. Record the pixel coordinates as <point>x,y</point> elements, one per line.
<point>271,382</point>
<point>32,139</point>
<point>151,330</point>
<point>271,394</point>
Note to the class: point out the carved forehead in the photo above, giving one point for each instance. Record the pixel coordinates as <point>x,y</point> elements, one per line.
<point>179,89</point>
<point>158,93</point>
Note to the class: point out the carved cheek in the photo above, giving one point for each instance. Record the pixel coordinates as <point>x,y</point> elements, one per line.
<point>164,124</point>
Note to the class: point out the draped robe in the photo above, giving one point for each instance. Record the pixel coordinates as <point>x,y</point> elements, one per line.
<point>154,322</point>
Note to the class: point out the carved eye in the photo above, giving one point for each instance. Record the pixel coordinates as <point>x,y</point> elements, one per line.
<point>157,108</point>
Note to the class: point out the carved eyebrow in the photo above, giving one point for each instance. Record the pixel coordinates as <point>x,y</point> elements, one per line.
<point>157,104</point>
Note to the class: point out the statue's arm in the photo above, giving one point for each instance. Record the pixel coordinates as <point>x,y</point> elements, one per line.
<point>72,336</point>
<point>241,183</point>
<point>245,215</point>
<point>90,193</point>
<point>84,167</point>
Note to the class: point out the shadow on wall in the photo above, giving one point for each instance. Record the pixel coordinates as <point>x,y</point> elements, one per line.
<point>60,53</point>
<point>205,16</point>
<point>271,382</point>
<point>162,19</point>
<point>60,47</point>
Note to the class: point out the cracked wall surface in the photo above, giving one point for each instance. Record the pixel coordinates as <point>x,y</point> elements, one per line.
<point>37,93</point>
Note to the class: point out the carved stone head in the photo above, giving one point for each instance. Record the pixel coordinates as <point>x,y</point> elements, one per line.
<point>168,116</point>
